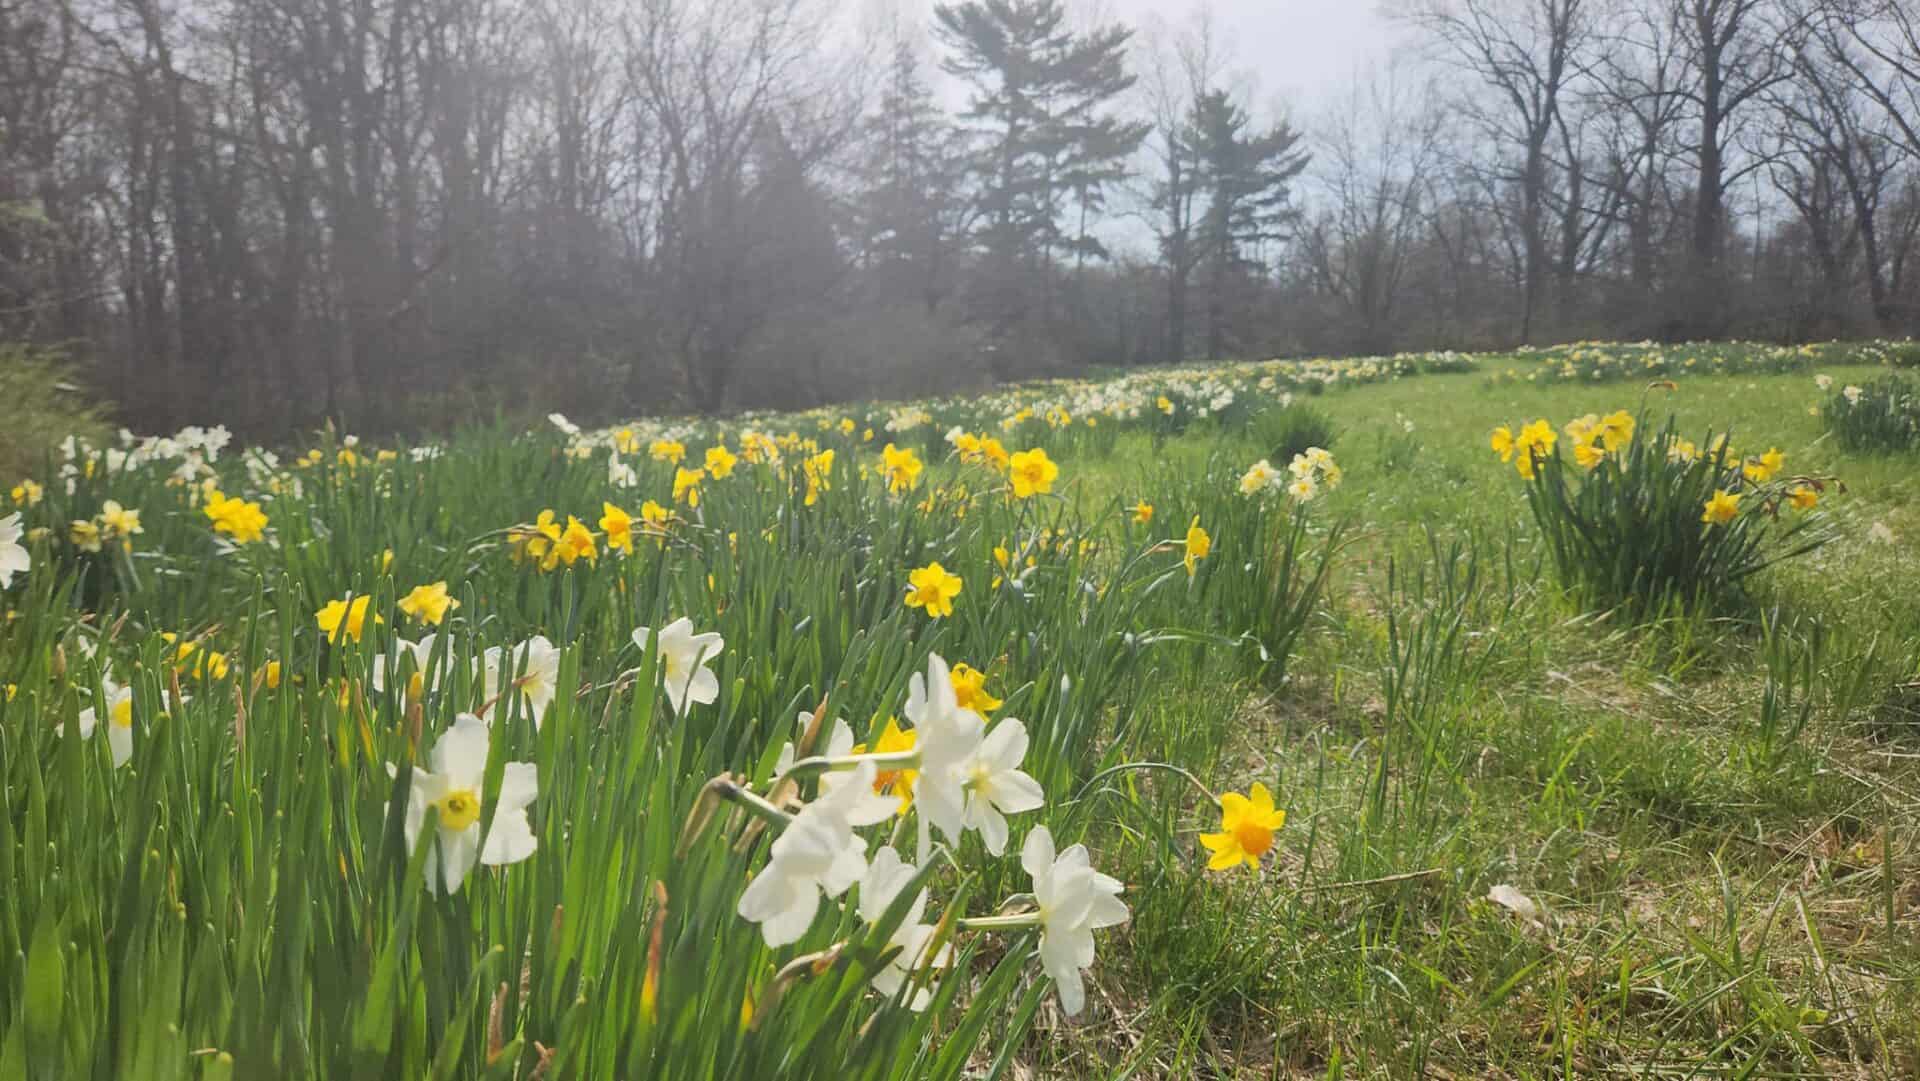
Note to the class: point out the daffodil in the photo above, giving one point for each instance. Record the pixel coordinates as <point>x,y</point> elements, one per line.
<point>429,604</point>
<point>576,543</point>
<point>667,450</point>
<point>534,666</point>
<point>720,462</point>
<point>347,616</point>
<point>1803,497</point>
<point>1031,473</point>
<point>117,521</point>
<point>1502,443</point>
<point>119,702</point>
<point>887,875</point>
<point>1247,825</point>
<point>85,535</point>
<point>899,468</point>
<point>684,660</point>
<point>237,518</point>
<point>1074,900</point>
<point>896,782</point>
<point>1142,513</point>
<point>1762,469</point>
<point>870,805</point>
<point>1259,478</point>
<point>969,774</point>
<point>1197,546</point>
<point>417,656</point>
<point>1721,507</point>
<point>452,786</point>
<point>816,854</point>
<point>27,493</point>
<point>618,526</point>
<point>686,486</point>
<point>933,589</point>
<point>970,689</point>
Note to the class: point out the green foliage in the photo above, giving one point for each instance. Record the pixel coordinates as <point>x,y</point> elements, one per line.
<point>1880,416</point>
<point>40,405</point>
<point>1291,428</point>
<point>1628,531</point>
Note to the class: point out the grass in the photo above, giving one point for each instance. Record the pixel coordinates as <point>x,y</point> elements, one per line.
<point>1716,814</point>
<point>1717,904</point>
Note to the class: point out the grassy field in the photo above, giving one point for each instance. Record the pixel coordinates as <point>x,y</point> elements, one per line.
<point>1526,835</point>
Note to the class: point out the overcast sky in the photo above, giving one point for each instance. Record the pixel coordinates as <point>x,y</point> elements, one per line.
<point>1297,51</point>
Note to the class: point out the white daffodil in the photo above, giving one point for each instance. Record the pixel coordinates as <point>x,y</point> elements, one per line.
<point>418,683</point>
<point>1074,900</point>
<point>13,557</point>
<point>995,785</point>
<point>119,721</point>
<point>948,736</point>
<point>452,788</point>
<point>534,667</point>
<point>684,656</point>
<point>817,854</point>
<point>867,807</point>
<point>886,876</point>
<point>969,775</point>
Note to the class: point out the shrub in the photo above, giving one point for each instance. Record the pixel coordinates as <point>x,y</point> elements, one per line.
<point>1643,523</point>
<point>42,407</point>
<point>1292,429</point>
<point>1881,417</point>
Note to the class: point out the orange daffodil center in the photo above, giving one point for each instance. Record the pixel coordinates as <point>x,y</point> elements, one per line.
<point>1247,826</point>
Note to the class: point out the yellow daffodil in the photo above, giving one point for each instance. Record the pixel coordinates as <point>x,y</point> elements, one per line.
<point>237,518</point>
<point>1616,430</point>
<point>899,468</point>
<point>720,462</point>
<point>896,782</point>
<point>1031,473</point>
<point>576,542</point>
<point>429,603</point>
<point>1762,469</point>
<point>27,493</point>
<point>1803,497</point>
<point>1142,513</point>
<point>1198,544</point>
<point>686,486</point>
<point>85,535</point>
<point>344,617</point>
<point>668,451</point>
<point>618,526</point>
<point>970,689</point>
<point>932,588</point>
<point>1721,508</point>
<point>1502,442</point>
<point>1247,825</point>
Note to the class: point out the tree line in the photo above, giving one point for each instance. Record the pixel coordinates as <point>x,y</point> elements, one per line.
<point>407,213</point>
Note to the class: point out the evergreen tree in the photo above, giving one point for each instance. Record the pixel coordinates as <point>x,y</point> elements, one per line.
<point>910,209</point>
<point>1049,142</point>
<point>1246,175</point>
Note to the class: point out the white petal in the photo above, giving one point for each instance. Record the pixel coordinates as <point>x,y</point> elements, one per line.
<point>120,743</point>
<point>704,687</point>
<point>510,840</point>
<point>1015,792</point>
<point>1005,744</point>
<point>460,754</point>
<point>519,785</point>
<point>458,850</point>
<point>1036,855</point>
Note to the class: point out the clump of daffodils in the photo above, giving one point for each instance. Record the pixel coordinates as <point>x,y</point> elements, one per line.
<point>1310,473</point>
<point>956,773</point>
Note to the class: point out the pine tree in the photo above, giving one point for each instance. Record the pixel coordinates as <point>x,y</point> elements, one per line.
<point>910,208</point>
<point>1049,142</point>
<point>1246,175</point>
